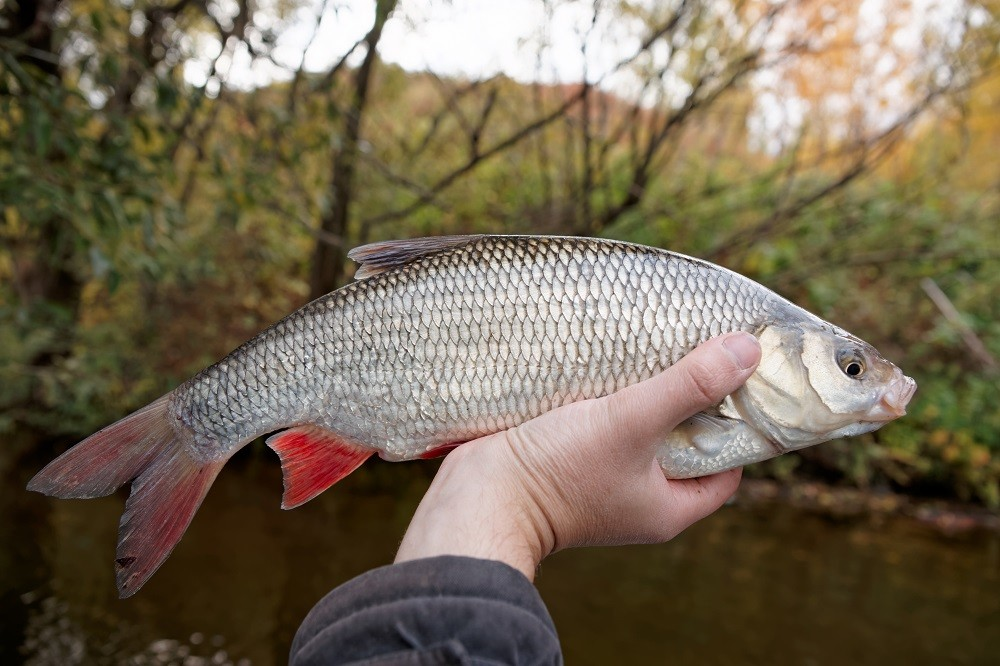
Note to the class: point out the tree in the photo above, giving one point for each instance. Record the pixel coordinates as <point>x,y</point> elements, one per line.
<point>182,173</point>
<point>328,257</point>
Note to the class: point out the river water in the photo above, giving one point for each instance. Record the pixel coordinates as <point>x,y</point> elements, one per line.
<point>762,585</point>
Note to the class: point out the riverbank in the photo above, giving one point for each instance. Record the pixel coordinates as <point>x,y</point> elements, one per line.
<point>26,455</point>
<point>842,504</point>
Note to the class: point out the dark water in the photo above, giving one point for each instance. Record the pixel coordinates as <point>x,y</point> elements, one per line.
<point>763,586</point>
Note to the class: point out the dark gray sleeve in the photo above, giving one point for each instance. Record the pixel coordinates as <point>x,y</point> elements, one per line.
<point>440,610</point>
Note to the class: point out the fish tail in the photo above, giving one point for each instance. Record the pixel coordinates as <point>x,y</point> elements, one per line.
<point>168,486</point>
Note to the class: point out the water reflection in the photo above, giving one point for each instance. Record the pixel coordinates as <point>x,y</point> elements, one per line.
<point>778,586</point>
<point>770,585</point>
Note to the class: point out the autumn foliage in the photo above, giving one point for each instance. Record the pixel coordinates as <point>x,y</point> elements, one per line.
<point>845,154</point>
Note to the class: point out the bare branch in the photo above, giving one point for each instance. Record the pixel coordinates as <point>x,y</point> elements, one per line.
<point>470,164</point>
<point>293,89</point>
<point>951,313</point>
<point>328,261</point>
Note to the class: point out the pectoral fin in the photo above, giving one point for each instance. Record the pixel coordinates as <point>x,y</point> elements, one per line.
<point>709,443</point>
<point>706,432</point>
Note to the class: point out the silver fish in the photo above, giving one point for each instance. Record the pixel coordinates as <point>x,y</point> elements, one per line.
<point>443,340</point>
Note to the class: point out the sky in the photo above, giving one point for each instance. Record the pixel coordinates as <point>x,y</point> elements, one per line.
<point>533,40</point>
<point>472,38</point>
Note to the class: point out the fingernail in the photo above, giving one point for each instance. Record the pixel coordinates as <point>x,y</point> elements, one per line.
<point>743,348</point>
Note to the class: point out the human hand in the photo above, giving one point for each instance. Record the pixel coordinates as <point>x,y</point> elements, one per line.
<point>582,474</point>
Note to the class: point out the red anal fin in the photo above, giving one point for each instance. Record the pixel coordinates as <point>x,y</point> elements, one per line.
<point>438,451</point>
<point>312,460</point>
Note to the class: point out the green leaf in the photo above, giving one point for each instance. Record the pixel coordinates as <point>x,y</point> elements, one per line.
<point>41,130</point>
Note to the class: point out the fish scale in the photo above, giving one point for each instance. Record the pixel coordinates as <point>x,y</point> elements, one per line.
<point>434,322</point>
<point>444,340</point>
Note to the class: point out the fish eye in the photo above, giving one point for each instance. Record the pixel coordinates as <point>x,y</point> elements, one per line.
<point>852,364</point>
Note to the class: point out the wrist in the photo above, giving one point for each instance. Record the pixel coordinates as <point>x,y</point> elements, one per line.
<point>474,515</point>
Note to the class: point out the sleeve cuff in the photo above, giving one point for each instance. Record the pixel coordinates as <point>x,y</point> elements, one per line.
<point>443,605</point>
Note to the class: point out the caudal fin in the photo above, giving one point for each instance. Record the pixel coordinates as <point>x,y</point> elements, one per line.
<point>108,459</point>
<point>168,486</point>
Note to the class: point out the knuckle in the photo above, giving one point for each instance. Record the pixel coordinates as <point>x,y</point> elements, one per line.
<point>702,382</point>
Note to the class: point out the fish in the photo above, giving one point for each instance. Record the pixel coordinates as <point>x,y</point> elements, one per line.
<point>443,340</point>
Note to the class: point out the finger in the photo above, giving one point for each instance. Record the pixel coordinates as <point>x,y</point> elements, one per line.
<point>689,500</point>
<point>704,494</point>
<point>645,412</point>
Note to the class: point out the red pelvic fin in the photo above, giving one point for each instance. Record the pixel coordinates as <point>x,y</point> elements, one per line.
<point>438,451</point>
<point>312,460</point>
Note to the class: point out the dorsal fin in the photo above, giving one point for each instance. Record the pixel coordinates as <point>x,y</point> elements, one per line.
<point>379,257</point>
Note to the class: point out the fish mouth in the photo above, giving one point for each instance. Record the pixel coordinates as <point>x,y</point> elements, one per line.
<point>893,403</point>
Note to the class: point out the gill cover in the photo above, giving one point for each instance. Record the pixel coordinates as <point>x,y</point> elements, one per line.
<point>799,394</point>
<point>778,394</point>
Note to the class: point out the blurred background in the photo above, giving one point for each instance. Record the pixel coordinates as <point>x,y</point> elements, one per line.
<point>177,175</point>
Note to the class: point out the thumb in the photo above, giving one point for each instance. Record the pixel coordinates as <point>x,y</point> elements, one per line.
<point>647,411</point>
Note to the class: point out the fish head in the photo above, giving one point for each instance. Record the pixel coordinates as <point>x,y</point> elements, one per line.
<point>816,382</point>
